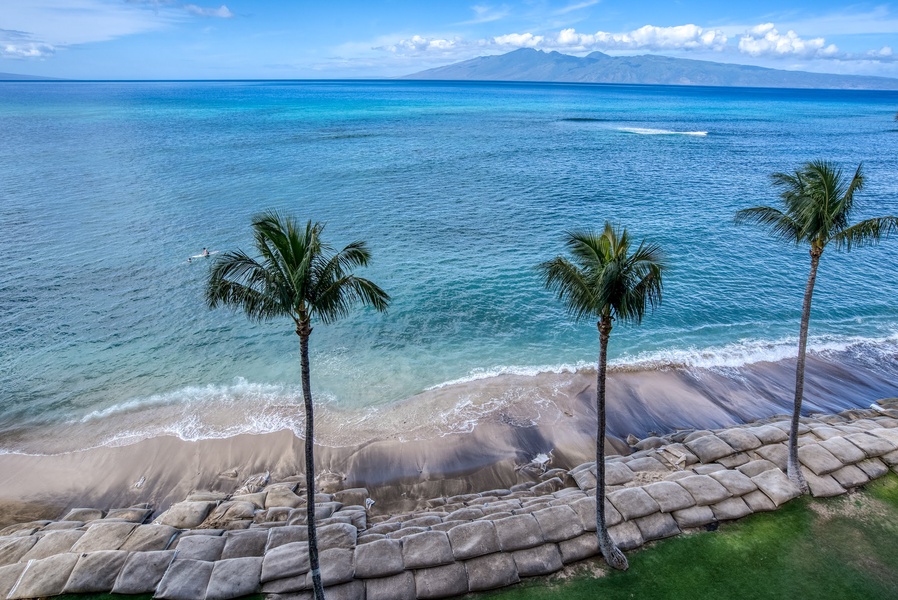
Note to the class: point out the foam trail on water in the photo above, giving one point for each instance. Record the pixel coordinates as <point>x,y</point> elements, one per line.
<point>649,131</point>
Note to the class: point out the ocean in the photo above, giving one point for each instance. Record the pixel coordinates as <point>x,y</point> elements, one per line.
<point>459,189</point>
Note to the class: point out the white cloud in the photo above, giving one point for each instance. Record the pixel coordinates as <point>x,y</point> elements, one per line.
<point>575,7</point>
<point>39,28</point>
<point>683,37</point>
<point>519,40</point>
<point>59,23</point>
<point>26,50</point>
<point>486,14</point>
<point>222,11</point>
<point>648,37</point>
<point>765,40</point>
<point>421,45</point>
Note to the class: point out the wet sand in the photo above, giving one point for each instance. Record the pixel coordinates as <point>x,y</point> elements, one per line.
<point>454,439</point>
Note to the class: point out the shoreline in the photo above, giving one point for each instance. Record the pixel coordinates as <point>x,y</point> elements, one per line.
<point>404,454</point>
<point>230,545</point>
<point>642,399</point>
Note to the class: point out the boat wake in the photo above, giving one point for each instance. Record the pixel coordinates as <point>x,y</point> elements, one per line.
<point>648,131</point>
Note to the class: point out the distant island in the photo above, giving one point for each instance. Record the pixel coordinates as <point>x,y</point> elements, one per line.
<point>527,64</point>
<point>17,77</point>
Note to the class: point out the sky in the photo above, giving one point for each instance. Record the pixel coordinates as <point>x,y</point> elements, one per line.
<point>302,39</point>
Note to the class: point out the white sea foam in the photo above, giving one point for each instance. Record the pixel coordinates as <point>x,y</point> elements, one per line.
<point>649,131</point>
<point>464,416</point>
<point>243,391</point>
<point>728,356</point>
<point>747,352</point>
<point>221,411</point>
<point>200,412</point>
<point>477,374</point>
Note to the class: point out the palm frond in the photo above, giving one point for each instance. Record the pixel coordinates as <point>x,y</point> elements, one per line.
<point>355,254</point>
<point>781,225</point>
<point>606,279</point>
<point>865,233</point>
<point>329,266</point>
<point>822,206</point>
<point>241,282</point>
<point>640,283</point>
<point>571,285</point>
<point>618,239</point>
<point>337,300</point>
<point>297,274</point>
<point>847,199</point>
<point>817,203</point>
<point>647,290</point>
<point>587,247</point>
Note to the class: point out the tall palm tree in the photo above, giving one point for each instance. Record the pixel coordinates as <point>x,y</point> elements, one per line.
<point>605,281</point>
<point>816,210</point>
<point>301,277</point>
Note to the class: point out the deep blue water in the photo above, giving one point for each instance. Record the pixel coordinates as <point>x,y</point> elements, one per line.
<point>460,189</point>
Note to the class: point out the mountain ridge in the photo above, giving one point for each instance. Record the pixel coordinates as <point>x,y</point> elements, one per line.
<point>18,77</point>
<point>527,64</point>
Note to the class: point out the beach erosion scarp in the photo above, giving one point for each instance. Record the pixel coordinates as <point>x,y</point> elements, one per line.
<point>217,544</point>
<point>452,439</point>
<point>459,438</point>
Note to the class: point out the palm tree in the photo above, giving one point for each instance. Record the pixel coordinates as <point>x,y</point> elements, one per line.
<point>817,205</point>
<point>604,281</point>
<point>301,277</point>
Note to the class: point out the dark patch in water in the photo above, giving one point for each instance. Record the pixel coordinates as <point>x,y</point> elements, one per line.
<point>346,136</point>
<point>585,119</point>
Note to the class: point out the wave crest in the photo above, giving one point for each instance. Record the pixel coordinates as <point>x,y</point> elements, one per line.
<point>649,131</point>
<point>522,395</point>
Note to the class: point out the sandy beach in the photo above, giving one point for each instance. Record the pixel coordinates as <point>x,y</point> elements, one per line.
<point>475,435</point>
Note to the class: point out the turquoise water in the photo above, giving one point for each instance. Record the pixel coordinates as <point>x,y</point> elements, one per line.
<point>459,189</point>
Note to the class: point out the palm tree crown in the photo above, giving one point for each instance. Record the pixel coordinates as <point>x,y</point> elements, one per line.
<point>604,279</point>
<point>817,206</point>
<point>297,275</point>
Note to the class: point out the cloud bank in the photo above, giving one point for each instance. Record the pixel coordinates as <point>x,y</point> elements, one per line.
<point>37,29</point>
<point>765,40</point>
<point>761,41</point>
<point>682,37</point>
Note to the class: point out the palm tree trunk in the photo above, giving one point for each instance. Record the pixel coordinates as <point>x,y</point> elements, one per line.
<point>611,553</point>
<point>303,331</point>
<point>794,467</point>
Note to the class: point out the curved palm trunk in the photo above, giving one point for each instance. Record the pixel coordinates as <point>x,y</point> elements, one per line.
<point>610,552</point>
<point>794,467</point>
<point>303,331</point>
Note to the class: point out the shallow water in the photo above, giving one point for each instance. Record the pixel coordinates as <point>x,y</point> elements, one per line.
<point>459,189</point>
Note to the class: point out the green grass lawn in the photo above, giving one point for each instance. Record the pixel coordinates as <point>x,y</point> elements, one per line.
<point>828,549</point>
